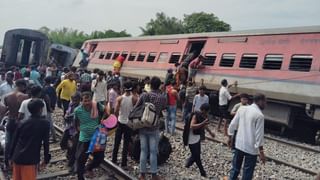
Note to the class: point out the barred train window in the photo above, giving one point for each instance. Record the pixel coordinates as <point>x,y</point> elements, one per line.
<point>115,55</point>
<point>210,59</point>
<point>227,60</point>
<point>108,55</point>
<point>141,56</point>
<point>101,56</point>
<point>249,61</point>
<point>301,63</point>
<point>132,56</point>
<point>272,62</point>
<point>151,57</point>
<point>124,54</point>
<point>174,58</point>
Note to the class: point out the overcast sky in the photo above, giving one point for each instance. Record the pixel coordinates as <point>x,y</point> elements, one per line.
<point>89,15</point>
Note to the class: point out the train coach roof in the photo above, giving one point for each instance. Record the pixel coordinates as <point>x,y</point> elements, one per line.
<point>290,30</point>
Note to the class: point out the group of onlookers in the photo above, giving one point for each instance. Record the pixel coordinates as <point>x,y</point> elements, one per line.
<point>30,96</point>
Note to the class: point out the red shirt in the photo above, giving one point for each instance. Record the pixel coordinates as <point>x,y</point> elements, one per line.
<point>195,63</point>
<point>172,97</point>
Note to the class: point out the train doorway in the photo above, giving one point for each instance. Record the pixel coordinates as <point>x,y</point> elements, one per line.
<point>60,57</point>
<point>24,47</point>
<point>26,51</point>
<point>193,50</point>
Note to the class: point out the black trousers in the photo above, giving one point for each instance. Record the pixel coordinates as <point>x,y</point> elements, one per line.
<point>82,157</point>
<point>71,150</point>
<point>196,157</point>
<point>65,105</point>
<point>124,130</point>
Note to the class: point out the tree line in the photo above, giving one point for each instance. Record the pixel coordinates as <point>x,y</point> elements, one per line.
<point>160,25</point>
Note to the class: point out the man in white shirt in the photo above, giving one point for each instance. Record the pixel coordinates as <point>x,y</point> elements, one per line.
<point>200,99</point>
<point>99,89</point>
<point>24,112</point>
<point>224,98</point>
<point>249,123</point>
<point>8,86</point>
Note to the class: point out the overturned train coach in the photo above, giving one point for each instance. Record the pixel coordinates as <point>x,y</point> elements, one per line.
<point>26,47</point>
<point>282,63</point>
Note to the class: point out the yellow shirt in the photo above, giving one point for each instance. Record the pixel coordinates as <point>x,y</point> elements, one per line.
<point>68,88</point>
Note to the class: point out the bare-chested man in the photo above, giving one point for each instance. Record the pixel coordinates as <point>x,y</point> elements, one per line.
<point>13,101</point>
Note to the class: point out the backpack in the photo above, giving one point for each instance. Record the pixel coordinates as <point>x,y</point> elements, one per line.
<point>164,149</point>
<point>143,115</point>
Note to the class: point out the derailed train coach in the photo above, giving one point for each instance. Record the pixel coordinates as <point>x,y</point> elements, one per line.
<point>62,55</point>
<point>24,47</point>
<point>282,63</point>
<point>31,47</point>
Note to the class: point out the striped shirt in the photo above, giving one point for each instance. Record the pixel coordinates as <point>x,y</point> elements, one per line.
<point>191,92</point>
<point>85,78</point>
<point>87,124</point>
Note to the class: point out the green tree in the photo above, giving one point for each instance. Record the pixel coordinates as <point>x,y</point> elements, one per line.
<point>204,22</point>
<point>75,38</point>
<point>163,24</point>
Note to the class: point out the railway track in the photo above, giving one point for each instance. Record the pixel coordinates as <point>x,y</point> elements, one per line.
<point>270,158</point>
<point>57,168</point>
<point>306,148</point>
<point>114,172</point>
<point>269,137</point>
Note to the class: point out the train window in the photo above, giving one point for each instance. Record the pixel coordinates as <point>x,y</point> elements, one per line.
<point>124,54</point>
<point>151,57</point>
<point>273,62</point>
<point>108,55</point>
<point>115,55</point>
<point>141,56</point>
<point>163,57</point>
<point>210,59</point>
<point>96,54</point>
<point>174,58</point>
<point>227,60</point>
<point>301,63</point>
<point>248,61</point>
<point>101,56</point>
<point>132,56</point>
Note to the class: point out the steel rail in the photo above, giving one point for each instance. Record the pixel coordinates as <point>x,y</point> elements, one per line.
<point>308,171</point>
<point>107,164</point>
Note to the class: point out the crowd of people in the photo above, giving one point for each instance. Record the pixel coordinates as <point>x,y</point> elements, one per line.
<point>30,95</point>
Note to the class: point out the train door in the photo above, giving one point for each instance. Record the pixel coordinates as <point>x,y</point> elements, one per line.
<point>59,56</point>
<point>92,48</point>
<point>193,49</point>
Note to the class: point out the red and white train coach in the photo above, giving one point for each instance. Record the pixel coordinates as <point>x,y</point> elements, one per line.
<point>282,63</point>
